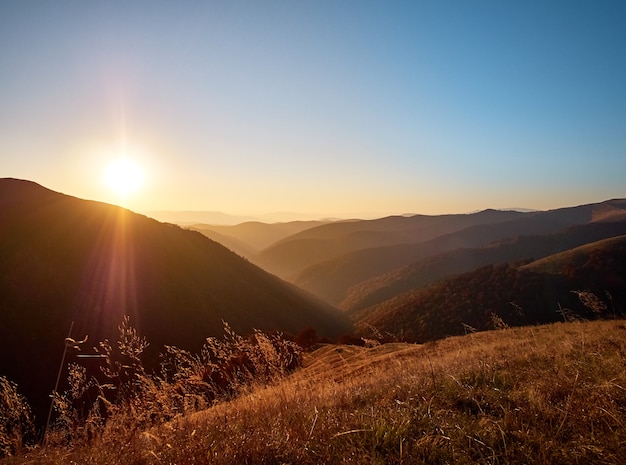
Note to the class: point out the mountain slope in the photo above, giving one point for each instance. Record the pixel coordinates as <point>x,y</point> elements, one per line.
<point>518,294</point>
<point>604,253</point>
<point>232,243</point>
<point>65,259</point>
<point>247,239</point>
<point>292,255</point>
<point>331,279</point>
<point>431,269</point>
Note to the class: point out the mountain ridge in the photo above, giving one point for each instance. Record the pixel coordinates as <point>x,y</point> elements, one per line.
<point>67,260</point>
<point>332,278</point>
<point>291,256</point>
<point>430,269</point>
<point>518,293</point>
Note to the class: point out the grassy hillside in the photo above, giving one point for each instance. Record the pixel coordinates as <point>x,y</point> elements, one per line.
<point>424,272</point>
<point>65,259</point>
<point>331,279</point>
<point>509,294</point>
<point>550,394</point>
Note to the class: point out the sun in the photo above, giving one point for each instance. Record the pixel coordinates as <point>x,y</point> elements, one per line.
<point>124,176</point>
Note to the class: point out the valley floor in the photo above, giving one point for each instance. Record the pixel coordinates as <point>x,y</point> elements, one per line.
<point>544,394</point>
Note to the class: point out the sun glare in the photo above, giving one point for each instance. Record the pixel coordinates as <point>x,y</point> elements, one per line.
<point>124,176</point>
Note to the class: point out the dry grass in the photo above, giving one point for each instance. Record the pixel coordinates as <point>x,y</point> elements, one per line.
<point>15,418</point>
<point>550,394</point>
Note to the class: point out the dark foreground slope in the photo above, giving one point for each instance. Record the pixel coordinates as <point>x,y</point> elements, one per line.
<point>586,282</point>
<point>65,259</point>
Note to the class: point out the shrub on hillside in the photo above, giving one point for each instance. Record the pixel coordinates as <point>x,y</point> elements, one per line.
<point>15,418</point>
<point>127,397</point>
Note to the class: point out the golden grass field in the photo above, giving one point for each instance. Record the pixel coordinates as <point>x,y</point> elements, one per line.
<point>544,394</point>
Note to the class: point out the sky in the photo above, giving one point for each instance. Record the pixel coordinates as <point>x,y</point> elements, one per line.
<point>327,108</point>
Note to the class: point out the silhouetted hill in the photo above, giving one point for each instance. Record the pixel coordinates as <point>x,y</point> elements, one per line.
<point>65,259</point>
<point>331,279</point>
<point>429,270</point>
<point>518,294</point>
<point>292,255</point>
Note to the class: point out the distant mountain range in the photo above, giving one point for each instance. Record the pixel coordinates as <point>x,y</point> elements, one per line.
<point>338,259</point>
<point>64,259</point>
<point>249,238</point>
<point>216,218</point>
<point>332,278</point>
<point>391,272</point>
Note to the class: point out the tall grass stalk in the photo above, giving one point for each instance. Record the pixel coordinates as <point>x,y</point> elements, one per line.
<point>56,385</point>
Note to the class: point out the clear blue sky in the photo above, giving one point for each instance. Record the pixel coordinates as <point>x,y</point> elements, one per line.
<point>329,107</point>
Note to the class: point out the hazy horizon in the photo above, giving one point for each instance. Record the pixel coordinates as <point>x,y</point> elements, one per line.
<point>189,217</point>
<point>339,109</point>
<point>226,218</point>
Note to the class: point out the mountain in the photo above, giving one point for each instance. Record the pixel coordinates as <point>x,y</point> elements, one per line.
<point>65,259</point>
<point>331,279</point>
<point>585,282</point>
<point>291,256</point>
<point>598,260</point>
<point>241,248</point>
<point>248,238</point>
<point>431,269</point>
